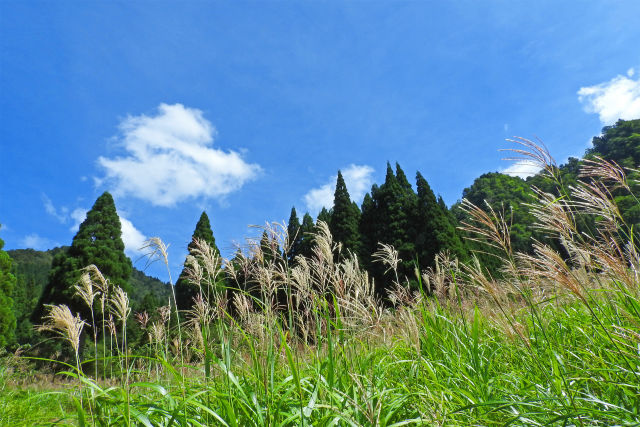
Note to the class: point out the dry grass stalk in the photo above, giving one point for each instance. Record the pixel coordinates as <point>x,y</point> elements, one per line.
<point>84,289</point>
<point>120,304</point>
<point>60,321</point>
<point>490,226</point>
<point>546,263</point>
<point>553,215</point>
<point>595,199</point>
<point>534,153</point>
<point>606,170</point>
<point>142,319</point>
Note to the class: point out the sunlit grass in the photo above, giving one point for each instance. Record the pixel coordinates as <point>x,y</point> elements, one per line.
<point>555,341</point>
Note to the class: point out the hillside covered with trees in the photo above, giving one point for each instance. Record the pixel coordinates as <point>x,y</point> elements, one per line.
<point>411,218</point>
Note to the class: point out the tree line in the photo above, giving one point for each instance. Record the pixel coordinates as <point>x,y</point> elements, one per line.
<point>416,222</point>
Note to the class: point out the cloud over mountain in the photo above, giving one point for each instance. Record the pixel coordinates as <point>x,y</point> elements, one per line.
<point>619,98</point>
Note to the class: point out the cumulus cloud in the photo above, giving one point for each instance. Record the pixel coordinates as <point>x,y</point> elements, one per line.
<point>37,242</point>
<point>619,98</point>
<point>357,178</point>
<point>132,238</point>
<point>170,158</point>
<point>523,169</point>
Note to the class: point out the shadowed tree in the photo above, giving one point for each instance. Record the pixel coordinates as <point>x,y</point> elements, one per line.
<point>295,236</point>
<point>306,232</point>
<point>186,291</point>
<point>324,216</point>
<point>436,229</point>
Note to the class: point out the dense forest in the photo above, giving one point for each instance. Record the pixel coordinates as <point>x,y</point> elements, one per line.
<point>411,218</point>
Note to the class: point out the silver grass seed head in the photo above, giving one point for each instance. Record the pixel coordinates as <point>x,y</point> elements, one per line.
<point>120,304</point>
<point>85,290</point>
<point>60,321</point>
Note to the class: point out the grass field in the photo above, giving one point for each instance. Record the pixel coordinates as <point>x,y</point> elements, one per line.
<point>554,341</point>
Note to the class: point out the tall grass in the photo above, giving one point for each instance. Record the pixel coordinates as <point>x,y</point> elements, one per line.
<point>555,340</point>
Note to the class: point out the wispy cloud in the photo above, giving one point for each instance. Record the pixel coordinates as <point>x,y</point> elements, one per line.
<point>170,158</point>
<point>619,98</point>
<point>37,242</point>
<point>61,214</point>
<point>357,178</point>
<point>523,169</point>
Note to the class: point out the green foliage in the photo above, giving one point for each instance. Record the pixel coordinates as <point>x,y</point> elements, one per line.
<point>345,217</point>
<point>295,236</point>
<point>324,215</point>
<point>619,143</point>
<point>186,291</point>
<point>509,196</point>
<point>31,269</point>
<point>306,233</point>
<point>7,285</point>
<point>436,227</point>
<point>98,242</point>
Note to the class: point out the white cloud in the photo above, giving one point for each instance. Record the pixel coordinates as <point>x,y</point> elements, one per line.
<point>132,238</point>
<point>523,169</point>
<point>619,98</point>
<point>60,214</point>
<point>170,158</point>
<point>34,241</point>
<point>357,178</point>
<point>78,216</point>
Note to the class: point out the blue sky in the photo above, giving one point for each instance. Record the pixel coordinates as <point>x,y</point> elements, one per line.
<point>245,109</point>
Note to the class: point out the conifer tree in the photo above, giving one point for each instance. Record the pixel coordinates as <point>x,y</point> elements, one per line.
<point>324,216</point>
<point>345,218</point>
<point>306,232</point>
<point>7,284</point>
<point>436,227</point>
<point>295,236</point>
<point>368,228</point>
<point>386,218</point>
<point>405,237</point>
<point>98,242</point>
<point>186,291</point>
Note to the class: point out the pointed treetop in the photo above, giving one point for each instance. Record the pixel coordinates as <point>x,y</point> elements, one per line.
<point>389,177</point>
<point>402,179</point>
<point>324,215</point>
<point>203,231</point>
<point>295,235</point>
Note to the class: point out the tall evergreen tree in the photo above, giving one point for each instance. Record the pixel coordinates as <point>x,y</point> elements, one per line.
<point>325,216</point>
<point>407,230</point>
<point>7,284</point>
<point>436,229</point>
<point>186,291</point>
<point>98,242</point>
<point>386,218</point>
<point>306,232</point>
<point>295,236</point>
<point>368,228</point>
<point>345,218</point>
